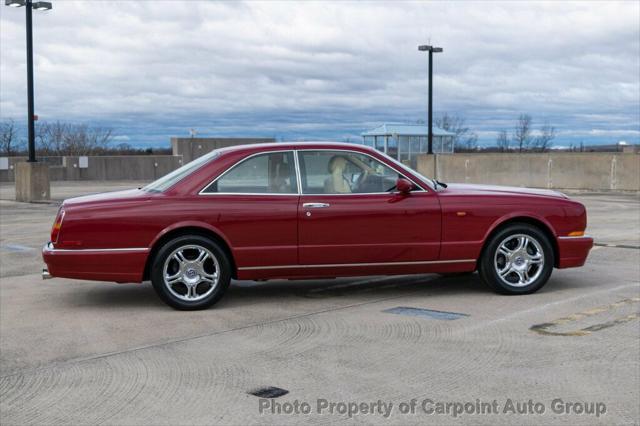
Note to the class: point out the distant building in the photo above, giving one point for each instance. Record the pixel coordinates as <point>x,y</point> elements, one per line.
<point>405,141</point>
<point>192,148</point>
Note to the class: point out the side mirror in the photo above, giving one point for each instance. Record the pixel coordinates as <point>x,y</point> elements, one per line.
<point>404,186</point>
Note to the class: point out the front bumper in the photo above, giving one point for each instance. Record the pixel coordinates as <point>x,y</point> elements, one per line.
<point>573,251</point>
<point>120,265</point>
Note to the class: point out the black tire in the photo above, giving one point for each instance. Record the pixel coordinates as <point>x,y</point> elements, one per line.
<point>518,261</point>
<point>204,293</point>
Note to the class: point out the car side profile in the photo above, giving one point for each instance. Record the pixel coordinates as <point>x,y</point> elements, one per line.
<point>311,210</point>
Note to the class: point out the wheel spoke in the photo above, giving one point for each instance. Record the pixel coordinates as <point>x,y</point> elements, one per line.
<point>506,271</point>
<point>210,278</point>
<point>179,256</point>
<point>522,275</point>
<point>523,242</point>
<point>202,256</point>
<point>174,279</point>
<point>191,291</point>
<point>505,250</point>
<point>535,259</point>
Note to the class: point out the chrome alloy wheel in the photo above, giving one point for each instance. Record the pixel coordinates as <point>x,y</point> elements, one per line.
<point>519,260</point>
<point>191,273</point>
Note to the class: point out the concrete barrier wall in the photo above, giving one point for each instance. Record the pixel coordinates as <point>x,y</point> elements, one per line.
<point>192,148</point>
<point>582,171</point>
<point>120,167</point>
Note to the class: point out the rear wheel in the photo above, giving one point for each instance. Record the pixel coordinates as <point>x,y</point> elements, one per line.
<point>190,272</point>
<point>517,260</point>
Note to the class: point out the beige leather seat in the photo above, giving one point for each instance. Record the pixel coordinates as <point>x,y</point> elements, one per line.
<point>280,182</point>
<point>337,183</point>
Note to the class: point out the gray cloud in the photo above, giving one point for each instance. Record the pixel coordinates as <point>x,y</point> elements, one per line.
<point>322,69</point>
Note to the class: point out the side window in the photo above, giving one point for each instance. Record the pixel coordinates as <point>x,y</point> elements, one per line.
<point>270,173</point>
<point>343,172</point>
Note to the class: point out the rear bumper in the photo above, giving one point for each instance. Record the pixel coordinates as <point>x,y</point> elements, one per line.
<point>573,251</point>
<point>120,265</point>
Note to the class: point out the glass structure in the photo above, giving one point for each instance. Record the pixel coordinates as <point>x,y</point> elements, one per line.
<point>405,142</point>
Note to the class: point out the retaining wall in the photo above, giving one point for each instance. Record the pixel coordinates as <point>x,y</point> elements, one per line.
<point>117,167</point>
<point>581,171</point>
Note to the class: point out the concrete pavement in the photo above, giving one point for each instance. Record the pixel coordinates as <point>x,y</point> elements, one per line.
<point>79,352</point>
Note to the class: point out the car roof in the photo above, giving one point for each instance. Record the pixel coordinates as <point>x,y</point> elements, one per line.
<point>256,147</point>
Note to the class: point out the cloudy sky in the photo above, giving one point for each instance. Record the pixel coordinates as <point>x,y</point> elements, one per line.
<point>326,70</point>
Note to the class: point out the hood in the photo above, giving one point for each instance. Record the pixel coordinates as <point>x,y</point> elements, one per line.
<point>126,195</point>
<point>463,189</point>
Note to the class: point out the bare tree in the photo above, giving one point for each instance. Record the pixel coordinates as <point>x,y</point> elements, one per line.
<point>81,139</point>
<point>522,132</point>
<point>542,142</point>
<point>60,138</point>
<point>52,136</point>
<point>502,141</point>
<point>9,142</point>
<point>464,139</point>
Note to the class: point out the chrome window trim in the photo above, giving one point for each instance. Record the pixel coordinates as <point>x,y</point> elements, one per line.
<point>49,247</point>
<point>237,163</point>
<point>298,171</point>
<point>340,265</point>
<point>421,189</point>
<point>299,175</point>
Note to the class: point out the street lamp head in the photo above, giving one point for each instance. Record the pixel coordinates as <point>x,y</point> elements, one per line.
<point>42,5</point>
<point>427,48</point>
<point>14,3</point>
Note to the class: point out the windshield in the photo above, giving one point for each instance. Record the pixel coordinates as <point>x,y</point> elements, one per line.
<point>431,182</point>
<point>167,181</point>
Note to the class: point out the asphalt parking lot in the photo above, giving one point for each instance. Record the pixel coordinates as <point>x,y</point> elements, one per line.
<point>79,352</point>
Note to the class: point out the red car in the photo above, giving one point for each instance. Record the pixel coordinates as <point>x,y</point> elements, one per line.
<point>311,210</point>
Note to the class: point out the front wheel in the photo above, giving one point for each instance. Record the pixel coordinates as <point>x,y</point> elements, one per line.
<point>517,260</point>
<point>190,272</point>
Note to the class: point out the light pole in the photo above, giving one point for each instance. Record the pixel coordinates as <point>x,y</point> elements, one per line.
<point>29,5</point>
<point>32,177</point>
<point>431,50</point>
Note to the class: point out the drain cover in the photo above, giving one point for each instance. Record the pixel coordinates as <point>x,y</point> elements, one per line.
<point>427,313</point>
<point>268,392</point>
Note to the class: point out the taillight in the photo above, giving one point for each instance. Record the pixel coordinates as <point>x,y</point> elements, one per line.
<point>55,230</point>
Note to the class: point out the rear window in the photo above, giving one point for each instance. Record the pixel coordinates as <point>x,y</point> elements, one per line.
<point>167,181</point>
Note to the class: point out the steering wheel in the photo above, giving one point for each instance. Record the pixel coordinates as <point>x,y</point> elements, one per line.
<point>361,180</point>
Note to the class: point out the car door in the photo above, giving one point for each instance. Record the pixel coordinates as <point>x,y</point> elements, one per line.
<point>255,205</point>
<point>348,212</point>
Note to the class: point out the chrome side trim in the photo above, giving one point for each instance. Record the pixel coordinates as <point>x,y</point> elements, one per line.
<point>266,194</point>
<point>49,247</point>
<point>576,237</point>
<point>339,265</point>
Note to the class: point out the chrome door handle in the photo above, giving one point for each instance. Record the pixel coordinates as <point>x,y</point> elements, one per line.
<point>315,205</point>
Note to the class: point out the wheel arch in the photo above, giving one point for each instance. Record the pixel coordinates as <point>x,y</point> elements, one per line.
<point>188,229</point>
<point>539,223</point>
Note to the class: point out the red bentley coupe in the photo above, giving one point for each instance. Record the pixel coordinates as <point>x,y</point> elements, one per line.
<point>311,210</point>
